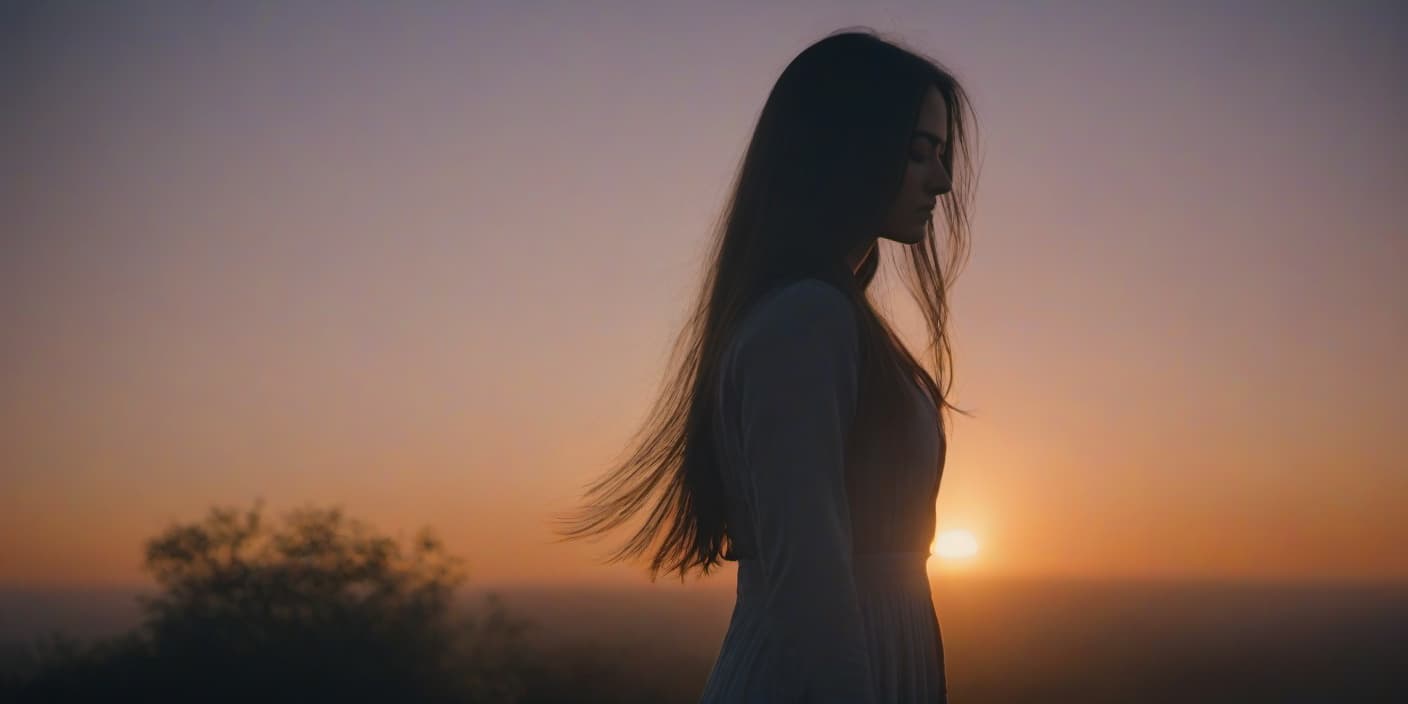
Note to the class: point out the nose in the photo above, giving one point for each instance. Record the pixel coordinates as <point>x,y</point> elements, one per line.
<point>939,181</point>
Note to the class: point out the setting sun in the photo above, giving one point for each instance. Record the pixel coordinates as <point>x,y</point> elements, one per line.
<point>955,545</point>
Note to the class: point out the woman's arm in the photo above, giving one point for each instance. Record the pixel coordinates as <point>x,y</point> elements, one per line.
<point>796,380</point>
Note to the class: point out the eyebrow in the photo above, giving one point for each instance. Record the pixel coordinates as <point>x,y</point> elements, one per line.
<point>929,136</point>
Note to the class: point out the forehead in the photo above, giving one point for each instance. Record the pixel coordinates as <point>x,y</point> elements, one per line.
<point>933,114</point>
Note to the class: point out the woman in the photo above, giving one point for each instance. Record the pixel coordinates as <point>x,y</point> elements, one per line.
<point>799,436</point>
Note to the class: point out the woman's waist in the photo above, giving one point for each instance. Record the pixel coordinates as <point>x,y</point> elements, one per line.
<point>885,570</point>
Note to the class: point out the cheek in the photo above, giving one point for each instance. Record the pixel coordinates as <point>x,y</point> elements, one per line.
<point>911,189</point>
<point>913,179</point>
<point>903,211</point>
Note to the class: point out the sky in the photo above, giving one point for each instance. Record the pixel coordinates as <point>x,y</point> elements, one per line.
<point>425,261</point>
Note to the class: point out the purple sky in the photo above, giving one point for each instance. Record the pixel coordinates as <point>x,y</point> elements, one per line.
<point>427,263</point>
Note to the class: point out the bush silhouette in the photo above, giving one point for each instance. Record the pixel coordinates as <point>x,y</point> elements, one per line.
<point>319,608</point>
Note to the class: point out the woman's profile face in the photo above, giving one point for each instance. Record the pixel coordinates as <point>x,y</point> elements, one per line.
<point>925,174</point>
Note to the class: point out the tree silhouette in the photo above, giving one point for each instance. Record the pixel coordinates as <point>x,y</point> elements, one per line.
<point>318,609</point>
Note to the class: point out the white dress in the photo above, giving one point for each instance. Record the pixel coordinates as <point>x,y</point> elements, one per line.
<point>833,601</point>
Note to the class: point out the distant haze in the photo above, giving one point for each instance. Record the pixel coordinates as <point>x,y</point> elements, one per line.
<point>1005,640</point>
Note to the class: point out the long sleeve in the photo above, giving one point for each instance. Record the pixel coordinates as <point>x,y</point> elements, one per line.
<point>796,376</point>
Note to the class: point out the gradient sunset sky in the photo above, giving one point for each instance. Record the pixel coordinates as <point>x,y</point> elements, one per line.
<point>427,263</point>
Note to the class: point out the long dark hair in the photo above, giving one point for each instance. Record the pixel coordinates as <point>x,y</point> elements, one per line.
<point>825,162</point>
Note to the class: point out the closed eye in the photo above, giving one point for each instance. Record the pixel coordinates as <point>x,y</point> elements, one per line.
<point>920,157</point>
<point>939,147</point>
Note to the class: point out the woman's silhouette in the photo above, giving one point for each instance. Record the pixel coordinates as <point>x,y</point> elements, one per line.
<point>798,435</point>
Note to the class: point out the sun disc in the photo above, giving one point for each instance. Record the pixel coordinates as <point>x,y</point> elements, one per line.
<point>955,545</point>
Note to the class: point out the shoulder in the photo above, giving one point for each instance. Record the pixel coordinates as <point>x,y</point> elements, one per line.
<point>807,314</point>
<point>804,303</point>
